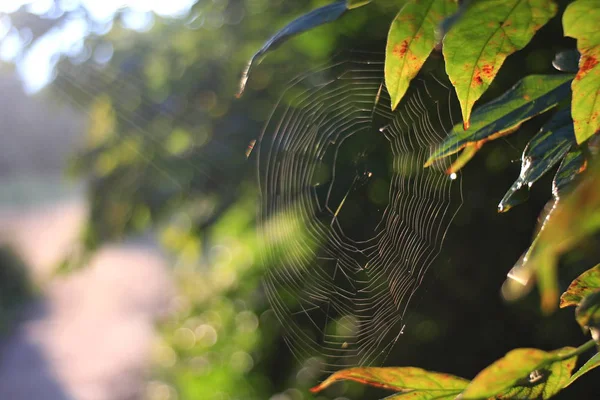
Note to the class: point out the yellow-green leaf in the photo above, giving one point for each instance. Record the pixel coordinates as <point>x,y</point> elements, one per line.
<point>580,21</point>
<point>478,43</point>
<point>408,380</point>
<point>585,284</point>
<point>421,395</point>
<point>411,39</point>
<point>350,4</point>
<point>516,375</point>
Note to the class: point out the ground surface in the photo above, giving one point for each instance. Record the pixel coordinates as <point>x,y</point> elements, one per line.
<point>89,334</point>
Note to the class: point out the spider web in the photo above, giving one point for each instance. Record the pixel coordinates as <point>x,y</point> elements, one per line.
<point>349,219</point>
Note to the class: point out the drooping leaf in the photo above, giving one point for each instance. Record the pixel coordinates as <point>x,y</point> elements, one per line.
<point>523,373</point>
<point>543,151</point>
<point>585,368</point>
<point>584,285</point>
<point>580,21</point>
<point>308,21</point>
<point>489,31</point>
<point>567,61</point>
<point>529,97</point>
<point>409,380</point>
<point>571,219</point>
<point>411,39</point>
<point>587,313</point>
<point>571,166</point>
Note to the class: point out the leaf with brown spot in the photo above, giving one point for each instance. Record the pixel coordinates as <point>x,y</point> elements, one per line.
<point>584,285</point>
<point>524,374</point>
<point>484,36</point>
<point>411,39</point>
<point>417,383</point>
<point>580,21</point>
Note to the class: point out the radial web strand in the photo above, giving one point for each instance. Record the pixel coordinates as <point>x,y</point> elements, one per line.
<point>349,219</point>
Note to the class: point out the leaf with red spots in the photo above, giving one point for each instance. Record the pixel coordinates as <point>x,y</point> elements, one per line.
<point>412,383</point>
<point>411,39</point>
<point>529,97</point>
<point>580,21</point>
<point>585,284</point>
<point>486,33</point>
<point>523,374</point>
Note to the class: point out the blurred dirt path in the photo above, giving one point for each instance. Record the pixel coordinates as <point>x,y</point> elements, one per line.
<point>89,335</point>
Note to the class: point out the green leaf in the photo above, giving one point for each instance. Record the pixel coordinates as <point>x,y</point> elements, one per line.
<point>584,285</point>
<point>411,39</point>
<point>543,385</point>
<point>585,368</point>
<point>587,313</point>
<point>523,373</point>
<point>529,97</point>
<point>571,166</point>
<point>543,151</point>
<point>416,383</point>
<point>571,219</point>
<point>350,4</point>
<point>567,61</point>
<point>478,43</point>
<point>580,21</point>
<point>317,17</point>
<point>423,395</point>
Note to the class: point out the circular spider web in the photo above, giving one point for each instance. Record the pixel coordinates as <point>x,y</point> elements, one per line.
<point>349,219</point>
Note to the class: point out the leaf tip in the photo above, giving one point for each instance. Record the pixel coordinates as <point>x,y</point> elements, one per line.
<point>321,386</point>
<point>244,78</point>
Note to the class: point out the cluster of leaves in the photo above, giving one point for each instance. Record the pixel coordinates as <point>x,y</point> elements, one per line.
<point>475,38</point>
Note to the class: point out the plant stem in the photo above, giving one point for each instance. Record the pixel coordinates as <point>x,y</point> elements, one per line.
<point>578,351</point>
